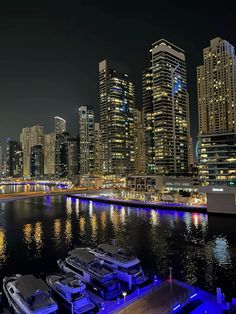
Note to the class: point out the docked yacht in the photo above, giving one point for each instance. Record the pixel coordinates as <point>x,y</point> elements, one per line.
<point>127,268</point>
<point>28,295</point>
<point>71,292</point>
<point>87,268</point>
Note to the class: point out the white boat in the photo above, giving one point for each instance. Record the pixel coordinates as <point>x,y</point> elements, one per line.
<point>92,272</point>
<point>28,295</point>
<point>72,293</point>
<point>127,268</point>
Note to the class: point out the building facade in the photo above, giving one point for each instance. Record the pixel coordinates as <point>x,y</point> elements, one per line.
<point>14,159</point>
<point>61,155</point>
<point>49,154</point>
<point>139,143</point>
<point>216,82</point>
<point>86,140</point>
<point>1,160</point>
<point>30,137</point>
<point>60,125</point>
<point>36,161</point>
<point>166,110</point>
<point>97,149</point>
<point>117,105</point>
<point>73,158</point>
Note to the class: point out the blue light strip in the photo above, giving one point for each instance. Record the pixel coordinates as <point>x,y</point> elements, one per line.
<point>175,308</point>
<point>194,295</point>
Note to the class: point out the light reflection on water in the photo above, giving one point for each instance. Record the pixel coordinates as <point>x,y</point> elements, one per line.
<point>201,249</point>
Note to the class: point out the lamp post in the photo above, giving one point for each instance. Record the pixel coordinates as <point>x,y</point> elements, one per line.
<point>170,278</point>
<point>124,293</point>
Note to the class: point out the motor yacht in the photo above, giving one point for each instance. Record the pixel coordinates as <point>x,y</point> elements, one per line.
<point>127,268</point>
<point>28,295</point>
<point>91,271</point>
<point>71,293</point>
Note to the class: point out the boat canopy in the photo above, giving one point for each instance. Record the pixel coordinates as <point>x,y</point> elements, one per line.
<point>83,256</point>
<point>28,285</point>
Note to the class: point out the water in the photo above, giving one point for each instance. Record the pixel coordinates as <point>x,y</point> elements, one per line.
<point>35,232</point>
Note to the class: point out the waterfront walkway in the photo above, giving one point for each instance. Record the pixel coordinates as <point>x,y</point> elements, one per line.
<point>139,203</point>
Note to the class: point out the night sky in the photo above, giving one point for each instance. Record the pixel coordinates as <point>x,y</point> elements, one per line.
<point>49,51</point>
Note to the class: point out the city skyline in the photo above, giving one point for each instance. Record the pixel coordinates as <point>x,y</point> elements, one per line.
<point>54,50</point>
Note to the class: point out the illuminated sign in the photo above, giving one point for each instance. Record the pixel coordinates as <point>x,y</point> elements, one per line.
<point>217,190</point>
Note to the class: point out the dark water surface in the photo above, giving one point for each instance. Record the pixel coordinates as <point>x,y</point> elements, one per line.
<point>35,232</point>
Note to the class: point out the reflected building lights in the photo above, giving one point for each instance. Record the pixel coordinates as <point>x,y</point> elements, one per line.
<point>68,206</point>
<point>77,207</point>
<point>221,251</point>
<point>90,208</point>
<point>57,230</point>
<point>94,226</point>
<point>38,234</point>
<point>103,219</point>
<point>28,234</point>
<point>82,225</point>
<point>2,245</point>
<point>155,217</point>
<point>68,231</point>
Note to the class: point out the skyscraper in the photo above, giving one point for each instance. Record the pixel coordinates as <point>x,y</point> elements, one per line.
<point>216,81</point>
<point>49,154</point>
<point>14,159</point>
<point>97,149</point>
<point>36,161</point>
<point>86,140</point>
<point>73,158</point>
<point>29,137</point>
<point>117,104</point>
<point>139,145</point>
<point>61,160</point>
<point>166,110</point>
<point>60,125</point>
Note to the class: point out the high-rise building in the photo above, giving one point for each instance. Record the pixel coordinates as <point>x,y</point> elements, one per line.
<point>148,121</point>
<point>1,160</point>
<point>30,137</point>
<point>97,149</point>
<point>73,158</point>
<point>14,159</point>
<point>60,125</point>
<point>166,110</point>
<point>139,143</point>
<point>61,160</point>
<point>117,104</point>
<point>86,140</point>
<point>36,161</point>
<point>49,154</point>
<point>216,81</point>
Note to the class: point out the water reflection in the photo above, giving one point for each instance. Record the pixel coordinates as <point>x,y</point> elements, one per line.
<point>200,252</point>
<point>2,245</point>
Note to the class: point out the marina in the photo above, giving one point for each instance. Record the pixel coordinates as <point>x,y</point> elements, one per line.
<point>53,227</point>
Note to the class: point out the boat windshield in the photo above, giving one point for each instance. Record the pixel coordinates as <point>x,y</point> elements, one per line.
<point>131,270</point>
<point>108,285</point>
<point>39,300</point>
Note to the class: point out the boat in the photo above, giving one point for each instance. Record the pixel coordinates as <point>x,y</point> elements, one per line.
<point>127,268</point>
<point>27,294</point>
<point>71,293</point>
<point>88,268</point>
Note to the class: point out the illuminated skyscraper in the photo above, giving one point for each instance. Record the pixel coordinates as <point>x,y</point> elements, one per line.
<point>166,110</point>
<point>60,125</point>
<point>73,158</point>
<point>14,159</point>
<point>61,160</point>
<point>97,149</point>
<point>139,144</point>
<point>36,161</point>
<point>86,140</point>
<point>30,137</point>
<point>216,81</point>
<point>49,154</point>
<point>117,104</point>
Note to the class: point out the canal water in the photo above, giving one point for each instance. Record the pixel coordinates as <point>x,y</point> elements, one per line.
<point>19,188</point>
<point>35,232</point>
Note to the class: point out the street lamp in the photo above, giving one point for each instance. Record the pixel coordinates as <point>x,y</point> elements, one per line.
<point>124,293</point>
